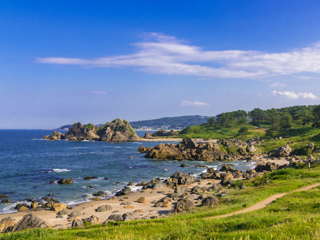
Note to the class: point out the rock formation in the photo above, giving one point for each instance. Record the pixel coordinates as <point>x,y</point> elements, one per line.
<point>116,131</point>
<point>30,221</point>
<point>160,133</point>
<point>188,149</point>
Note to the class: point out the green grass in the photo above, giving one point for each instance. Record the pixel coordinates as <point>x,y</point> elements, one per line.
<point>206,131</point>
<point>295,216</point>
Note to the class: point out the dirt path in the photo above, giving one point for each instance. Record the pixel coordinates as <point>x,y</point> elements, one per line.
<point>265,202</point>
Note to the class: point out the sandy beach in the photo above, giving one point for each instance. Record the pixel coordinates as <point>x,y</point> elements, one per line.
<point>87,209</point>
<point>145,210</point>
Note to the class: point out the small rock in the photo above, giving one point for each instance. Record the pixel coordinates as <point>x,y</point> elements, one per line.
<point>142,200</point>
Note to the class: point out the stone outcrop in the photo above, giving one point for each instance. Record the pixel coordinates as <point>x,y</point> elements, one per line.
<point>188,149</point>
<point>6,224</point>
<point>160,133</point>
<point>116,131</point>
<point>183,178</point>
<point>283,151</point>
<point>183,205</point>
<point>210,202</point>
<point>30,221</point>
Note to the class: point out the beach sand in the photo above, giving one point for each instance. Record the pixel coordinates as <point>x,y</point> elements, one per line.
<point>87,209</point>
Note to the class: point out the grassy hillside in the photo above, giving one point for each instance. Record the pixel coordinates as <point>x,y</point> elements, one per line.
<point>295,216</point>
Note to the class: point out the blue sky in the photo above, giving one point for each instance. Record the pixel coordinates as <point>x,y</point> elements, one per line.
<point>93,61</point>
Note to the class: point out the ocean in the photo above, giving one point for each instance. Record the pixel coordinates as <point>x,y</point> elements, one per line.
<point>28,164</point>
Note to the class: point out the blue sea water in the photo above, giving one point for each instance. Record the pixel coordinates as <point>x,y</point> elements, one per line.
<point>28,164</point>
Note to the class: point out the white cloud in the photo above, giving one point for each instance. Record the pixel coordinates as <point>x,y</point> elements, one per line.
<point>97,92</point>
<point>195,104</point>
<point>277,84</point>
<point>307,95</point>
<point>167,55</point>
<point>293,95</point>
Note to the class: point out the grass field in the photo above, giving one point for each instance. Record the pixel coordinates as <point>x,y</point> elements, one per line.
<point>295,216</point>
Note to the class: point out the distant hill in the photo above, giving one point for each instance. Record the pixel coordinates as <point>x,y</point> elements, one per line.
<point>161,123</point>
<point>170,122</point>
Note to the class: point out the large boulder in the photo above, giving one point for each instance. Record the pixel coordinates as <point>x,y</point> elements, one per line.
<point>115,217</point>
<point>58,207</point>
<point>124,191</point>
<point>6,224</point>
<point>251,149</point>
<point>130,216</point>
<point>210,202</point>
<point>77,223</point>
<point>183,205</point>
<point>227,168</point>
<point>183,178</point>
<point>93,220</point>
<point>311,146</point>
<point>266,167</point>
<point>30,221</point>
<point>283,151</point>
<point>104,208</point>
<point>117,131</point>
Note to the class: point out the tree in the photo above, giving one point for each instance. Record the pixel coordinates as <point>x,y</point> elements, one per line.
<point>316,115</point>
<point>285,123</point>
<point>243,131</point>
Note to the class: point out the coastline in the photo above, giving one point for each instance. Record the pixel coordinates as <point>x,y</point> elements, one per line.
<point>145,210</point>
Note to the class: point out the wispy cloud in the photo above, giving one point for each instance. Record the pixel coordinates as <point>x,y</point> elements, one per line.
<point>167,55</point>
<point>194,104</point>
<point>96,92</point>
<point>277,84</point>
<point>293,95</point>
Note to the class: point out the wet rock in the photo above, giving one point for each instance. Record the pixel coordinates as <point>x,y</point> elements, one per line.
<point>99,194</point>
<point>65,181</point>
<point>34,205</point>
<point>3,196</point>
<point>124,191</point>
<point>89,178</point>
<point>227,168</point>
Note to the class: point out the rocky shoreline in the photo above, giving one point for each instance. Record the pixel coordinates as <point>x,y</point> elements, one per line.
<point>156,199</point>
